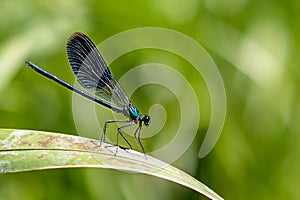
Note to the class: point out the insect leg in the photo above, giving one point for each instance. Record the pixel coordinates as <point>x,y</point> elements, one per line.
<point>138,138</point>
<point>120,133</point>
<point>102,139</point>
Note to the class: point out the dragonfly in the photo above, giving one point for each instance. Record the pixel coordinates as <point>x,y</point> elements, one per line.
<point>93,74</point>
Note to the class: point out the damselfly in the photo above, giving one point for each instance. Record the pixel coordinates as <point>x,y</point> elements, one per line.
<point>92,73</point>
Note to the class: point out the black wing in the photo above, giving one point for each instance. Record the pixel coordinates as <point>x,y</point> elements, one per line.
<point>92,72</point>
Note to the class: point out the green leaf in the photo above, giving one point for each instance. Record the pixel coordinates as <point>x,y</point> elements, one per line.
<point>26,150</point>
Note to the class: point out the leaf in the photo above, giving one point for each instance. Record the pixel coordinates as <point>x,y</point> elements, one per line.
<point>26,150</point>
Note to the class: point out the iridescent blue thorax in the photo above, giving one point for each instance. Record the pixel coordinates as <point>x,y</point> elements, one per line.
<point>134,113</point>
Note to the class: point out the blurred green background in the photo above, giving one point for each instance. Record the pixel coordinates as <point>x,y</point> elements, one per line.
<point>255,45</point>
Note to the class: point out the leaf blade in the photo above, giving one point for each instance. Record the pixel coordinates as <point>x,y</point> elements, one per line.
<point>25,150</point>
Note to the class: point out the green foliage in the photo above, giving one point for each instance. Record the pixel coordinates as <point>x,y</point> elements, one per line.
<point>255,45</point>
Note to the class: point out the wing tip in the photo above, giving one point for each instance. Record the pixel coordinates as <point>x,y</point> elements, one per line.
<point>76,36</point>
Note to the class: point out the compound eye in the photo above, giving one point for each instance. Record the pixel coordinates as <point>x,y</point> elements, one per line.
<point>147,120</point>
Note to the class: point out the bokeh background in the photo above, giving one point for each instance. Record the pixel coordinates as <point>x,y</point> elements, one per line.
<point>255,45</point>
